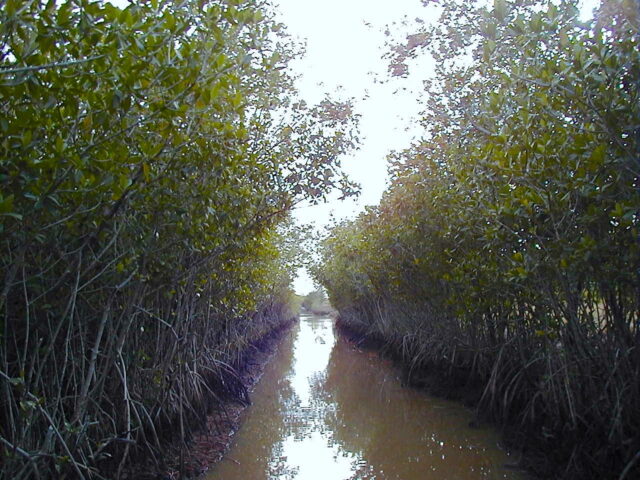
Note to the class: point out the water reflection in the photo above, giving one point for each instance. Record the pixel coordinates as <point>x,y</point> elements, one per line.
<point>324,410</point>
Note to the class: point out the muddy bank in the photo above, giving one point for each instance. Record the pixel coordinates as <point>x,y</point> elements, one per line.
<point>451,384</point>
<point>327,410</point>
<point>455,384</point>
<point>210,441</point>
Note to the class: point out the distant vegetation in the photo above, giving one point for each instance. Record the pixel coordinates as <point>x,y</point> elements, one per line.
<point>506,252</point>
<point>150,159</point>
<point>316,302</point>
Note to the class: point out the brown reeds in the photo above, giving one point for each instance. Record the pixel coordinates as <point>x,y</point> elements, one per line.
<point>95,379</point>
<point>570,402</point>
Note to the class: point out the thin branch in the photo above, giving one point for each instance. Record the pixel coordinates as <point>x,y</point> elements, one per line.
<point>33,68</point>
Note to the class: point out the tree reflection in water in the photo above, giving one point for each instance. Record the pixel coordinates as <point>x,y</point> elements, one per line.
<point>325,410</point>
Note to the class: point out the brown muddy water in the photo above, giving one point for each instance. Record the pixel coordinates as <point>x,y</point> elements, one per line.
<point>326,410</point>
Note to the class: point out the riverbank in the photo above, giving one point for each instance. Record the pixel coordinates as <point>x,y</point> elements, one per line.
<point>452,386</point>
<point>326,410</point>
<point>457,386</point>
<point>539,454</point>
<point>210,442</point>
<point>514,391</point>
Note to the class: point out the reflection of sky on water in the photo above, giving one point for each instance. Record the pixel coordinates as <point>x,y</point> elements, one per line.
<point>308,451</point>
<point>312,458</point>
<point>325,410</point>
<point>312,350</point>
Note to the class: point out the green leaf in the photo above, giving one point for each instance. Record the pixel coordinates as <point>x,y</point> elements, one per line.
<point>59,145</point>
<point>500,9</point>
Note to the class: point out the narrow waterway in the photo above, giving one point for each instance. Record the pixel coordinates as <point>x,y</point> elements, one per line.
<point>325,410</point>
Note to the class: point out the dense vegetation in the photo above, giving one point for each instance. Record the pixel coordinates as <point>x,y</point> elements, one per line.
<point>150,158</point>
<point>505,255</point>
<point>317,303</point>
